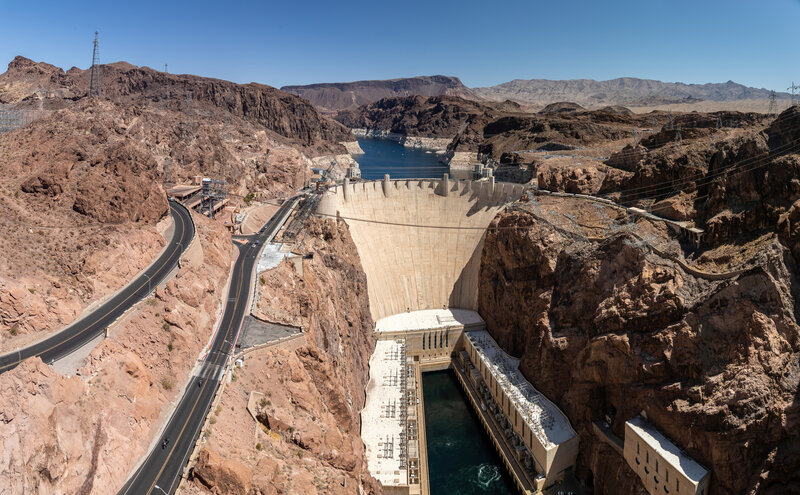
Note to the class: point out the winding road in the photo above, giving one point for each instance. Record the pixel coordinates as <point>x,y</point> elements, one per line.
<point>161,470</point>
<point>87,328</point>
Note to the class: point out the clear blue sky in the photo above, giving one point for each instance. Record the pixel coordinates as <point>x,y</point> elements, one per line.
<point>483,42</point>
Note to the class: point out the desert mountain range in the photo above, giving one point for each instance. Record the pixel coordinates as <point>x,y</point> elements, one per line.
<point>345,96</point>
<point>629,91</point>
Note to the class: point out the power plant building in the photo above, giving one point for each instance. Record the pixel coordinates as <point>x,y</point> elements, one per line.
<point>538,430</point>
<point>662,466</point>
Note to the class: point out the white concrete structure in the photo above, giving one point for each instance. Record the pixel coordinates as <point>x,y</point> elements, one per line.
<point>430,319</point>
<point>388,420</point>
<point>662,466</point>
<point>530,420</point>
<point>419,241</point>
<point>431,335</point>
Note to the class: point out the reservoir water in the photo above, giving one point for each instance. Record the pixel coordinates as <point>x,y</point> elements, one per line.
<point>461,458</point>
<point>382,156</point>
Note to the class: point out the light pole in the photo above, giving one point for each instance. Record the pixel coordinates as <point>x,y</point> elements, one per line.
<point>148,282</point>
<point>162,490</point>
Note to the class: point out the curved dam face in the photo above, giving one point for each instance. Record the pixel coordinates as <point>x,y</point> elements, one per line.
<point>420,241</point>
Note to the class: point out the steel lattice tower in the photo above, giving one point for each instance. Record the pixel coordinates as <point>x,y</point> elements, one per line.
<point>772,105</point>
<point>95,88</point>
<point>793,88</point>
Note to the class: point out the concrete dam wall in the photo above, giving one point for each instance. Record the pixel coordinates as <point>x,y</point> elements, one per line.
<point>420,241</point>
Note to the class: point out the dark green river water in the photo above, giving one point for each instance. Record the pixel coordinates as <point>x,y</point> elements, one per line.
<point>461,458</point>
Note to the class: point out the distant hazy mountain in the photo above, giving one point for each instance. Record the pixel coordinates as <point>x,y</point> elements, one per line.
<point>344,96</point>
<point>628,91</point>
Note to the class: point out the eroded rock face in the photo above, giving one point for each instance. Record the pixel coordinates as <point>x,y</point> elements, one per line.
<point>678,207</point>
<point>84,434</point>
<point>729,181</point>
<point>85,177</point>
<point>789,229</point>
<point>121,185</point>
<point>293,119</point>
<point>221,475</point>
<point>582,179</point>
<point>307,420</point>
<point>433,117</point>
<point>343,96</point>
<point>605,328</point>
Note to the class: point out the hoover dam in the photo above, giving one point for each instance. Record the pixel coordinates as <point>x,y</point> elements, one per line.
<point>420,243</point>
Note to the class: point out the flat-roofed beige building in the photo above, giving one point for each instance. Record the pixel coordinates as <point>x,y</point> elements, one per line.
<point>662,466</point>
<point>430,334</point>
<point>536,426</point>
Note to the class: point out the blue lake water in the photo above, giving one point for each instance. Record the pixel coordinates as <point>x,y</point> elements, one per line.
<point>382,156</point>
<point>461,458</point>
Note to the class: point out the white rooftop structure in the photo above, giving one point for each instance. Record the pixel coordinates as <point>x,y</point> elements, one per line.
<point>383,420</point>
<point>429,319</point>
<point>546,421</point>
<point>668,451</point>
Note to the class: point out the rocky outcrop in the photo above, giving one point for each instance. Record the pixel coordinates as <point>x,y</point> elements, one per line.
<point>730,182</point>
<point>32,81</point>
<point>561,107</point>
<point>433,117</point>
<point>679,207</point>
<point>377,134</point>
<point>221,475</point>
<point>423,143</point>
<point>578,179</point>
<point>284,116</point>
<point>307,422</point>
<point>81,218</point>
<point>495,131</point>
<point>84,434</point>
<point>353,147</point>
<point>789,230</point>
<point>342,96</point>
<point>607,329</point>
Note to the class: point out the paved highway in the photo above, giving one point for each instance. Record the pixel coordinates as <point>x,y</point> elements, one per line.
<point>162,469</point>
<point>84,330</point>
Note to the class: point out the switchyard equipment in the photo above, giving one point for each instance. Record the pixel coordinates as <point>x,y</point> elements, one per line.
<point>213,193</point>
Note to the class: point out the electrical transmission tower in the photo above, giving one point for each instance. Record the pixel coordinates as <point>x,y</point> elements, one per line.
<point>94,81</point>
<point>793,89</point>
<point>165,69</point>
<point>772,106</point>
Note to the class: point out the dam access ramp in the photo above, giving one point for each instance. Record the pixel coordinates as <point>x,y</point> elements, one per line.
<point>419,240</point>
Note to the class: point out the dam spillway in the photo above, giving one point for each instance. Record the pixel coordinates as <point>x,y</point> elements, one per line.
<point>419,241</point>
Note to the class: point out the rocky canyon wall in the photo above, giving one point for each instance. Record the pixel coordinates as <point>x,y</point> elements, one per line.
<point>305,436</point>
<point>606,328</point>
